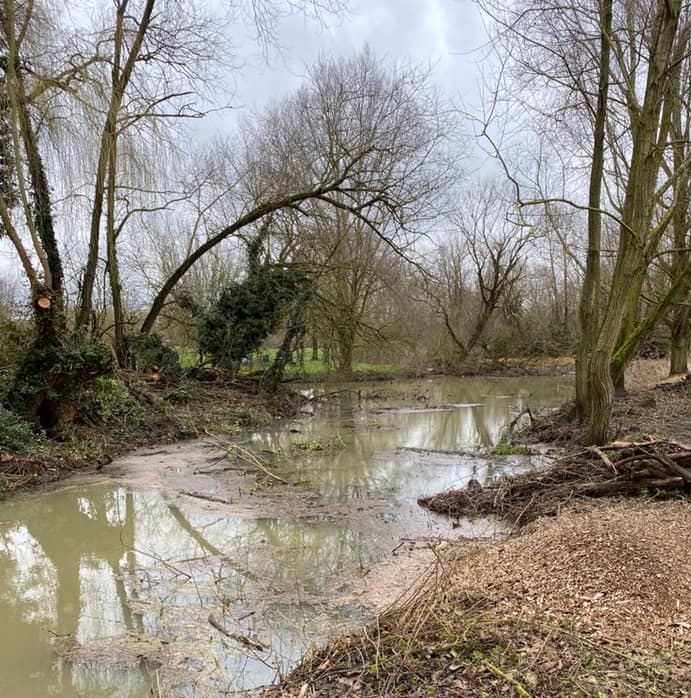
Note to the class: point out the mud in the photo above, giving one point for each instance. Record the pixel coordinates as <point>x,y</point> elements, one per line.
<point>191,570</point>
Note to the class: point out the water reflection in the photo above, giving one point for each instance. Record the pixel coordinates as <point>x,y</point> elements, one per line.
<point>368,457</point>
<point>103,562</point>
<point>60,559</point>
<point>86,563</point>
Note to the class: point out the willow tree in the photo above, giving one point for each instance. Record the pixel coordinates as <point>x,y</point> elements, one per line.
<point>77,91</point>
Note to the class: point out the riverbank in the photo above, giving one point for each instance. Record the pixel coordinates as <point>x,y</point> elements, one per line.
<point>148,413</point>
<point>592,601</point>
<point>128,411</point>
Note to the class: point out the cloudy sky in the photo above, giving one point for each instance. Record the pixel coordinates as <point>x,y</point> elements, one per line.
<point>442,34</point>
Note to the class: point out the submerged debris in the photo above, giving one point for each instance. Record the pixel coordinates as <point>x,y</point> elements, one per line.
<point>659,468</point>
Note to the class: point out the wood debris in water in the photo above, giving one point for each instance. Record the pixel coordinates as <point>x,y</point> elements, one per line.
<point>621,468</point>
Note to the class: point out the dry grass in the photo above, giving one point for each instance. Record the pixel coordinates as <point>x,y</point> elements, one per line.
<point>593,603</point>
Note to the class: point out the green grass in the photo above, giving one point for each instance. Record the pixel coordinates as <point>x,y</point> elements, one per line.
<point>189,357</point>
<point>506,448</point>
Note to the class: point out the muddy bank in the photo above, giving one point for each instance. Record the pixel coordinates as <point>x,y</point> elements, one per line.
<point>592,603</point>
<point>160,413</point>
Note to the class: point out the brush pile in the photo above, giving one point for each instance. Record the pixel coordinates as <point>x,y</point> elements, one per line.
<point>655,468</point>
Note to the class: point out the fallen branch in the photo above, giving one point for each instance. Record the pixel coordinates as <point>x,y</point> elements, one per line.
<point>249,457</point>
<point>207,497</point>
<point>242,639</point>
<point>616,469</point>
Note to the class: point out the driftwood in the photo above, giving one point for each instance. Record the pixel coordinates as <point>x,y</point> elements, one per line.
<point>206,497</point>
<point>621,468</point>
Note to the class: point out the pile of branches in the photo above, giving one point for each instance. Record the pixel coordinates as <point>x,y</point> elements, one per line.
<point>629,469</point>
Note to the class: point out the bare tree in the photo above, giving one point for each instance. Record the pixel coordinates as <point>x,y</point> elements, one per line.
<point>479,268</point>
<point>610,67</point>
<point>356,138</point>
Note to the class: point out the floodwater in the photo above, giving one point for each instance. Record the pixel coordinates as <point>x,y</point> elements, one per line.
<point>180,573</point>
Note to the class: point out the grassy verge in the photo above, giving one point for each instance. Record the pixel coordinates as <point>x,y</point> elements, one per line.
<point>308,367</point>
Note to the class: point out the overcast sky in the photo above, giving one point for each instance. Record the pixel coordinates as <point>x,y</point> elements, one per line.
<point>442,34</point>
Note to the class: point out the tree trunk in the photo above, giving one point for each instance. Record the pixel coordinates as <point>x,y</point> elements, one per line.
<point>113,264</point>
<point>636,214</point>
<point>679,345</point>
<point>588,311</point>
<point>119,82</point>
<point>345,336</point>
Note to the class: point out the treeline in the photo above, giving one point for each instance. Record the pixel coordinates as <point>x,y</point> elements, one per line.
<point>343,215</point>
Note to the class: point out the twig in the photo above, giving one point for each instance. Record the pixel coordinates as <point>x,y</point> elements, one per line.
<point>249,457</point>
<point>212,471</point>
<point>603,457</point>
<point>243,639</point>
<point>520,689</point>
<point>518,416</point>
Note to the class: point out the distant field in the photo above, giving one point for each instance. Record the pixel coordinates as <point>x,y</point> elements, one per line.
<point>189,357</point>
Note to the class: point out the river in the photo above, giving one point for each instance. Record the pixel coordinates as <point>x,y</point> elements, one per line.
<point>178,572</point>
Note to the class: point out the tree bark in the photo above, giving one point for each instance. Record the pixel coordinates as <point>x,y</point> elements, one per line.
<point>640,191</point>
<point>119,85</point>
<point>588,311</point>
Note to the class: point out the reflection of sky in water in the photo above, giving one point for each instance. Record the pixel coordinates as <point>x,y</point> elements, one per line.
<point>69,559</point>
<point>366,438</point>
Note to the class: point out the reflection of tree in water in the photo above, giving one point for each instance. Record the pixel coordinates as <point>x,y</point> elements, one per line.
<point>372,464</point>
<point>70,547</point>
<point>77,537</point>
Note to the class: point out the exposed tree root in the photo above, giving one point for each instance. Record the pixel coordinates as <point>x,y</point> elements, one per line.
<point>617,469</point>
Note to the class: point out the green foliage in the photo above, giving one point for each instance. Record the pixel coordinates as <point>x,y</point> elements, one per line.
<point>148,352</point>
<point>504,447</point>
<point>179,396</point>
<point>245,313</point>
<point>81,360</point>
<point>16,435</point>
<point>49,377</point>
<point>16,339</point>
<point>106,398</point>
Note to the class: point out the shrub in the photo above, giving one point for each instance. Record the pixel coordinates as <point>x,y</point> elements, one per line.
<point>148,352</point>
<point>246,313</point>
<point>16,435</point>
<point>106,398</point>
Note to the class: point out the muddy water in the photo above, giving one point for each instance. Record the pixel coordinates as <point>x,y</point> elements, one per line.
<point>181,573</point>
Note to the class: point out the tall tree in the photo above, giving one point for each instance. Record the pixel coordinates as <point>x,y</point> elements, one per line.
<point>608,67</point>
<point>355,138</point>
